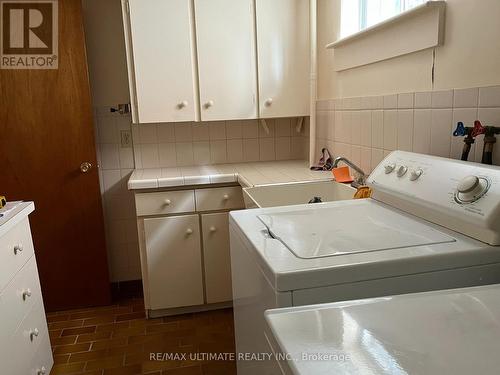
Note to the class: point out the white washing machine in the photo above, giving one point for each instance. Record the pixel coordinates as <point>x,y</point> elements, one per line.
<point>432,223</point>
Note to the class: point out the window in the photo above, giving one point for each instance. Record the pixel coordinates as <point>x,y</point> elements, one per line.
<point>357,15</point>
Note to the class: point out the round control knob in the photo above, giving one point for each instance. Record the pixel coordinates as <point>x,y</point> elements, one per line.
<point>468,184</point>
<point>268,102</point>
<point>225,197</point>
<point>471,188</point>
<point>213,229</point>
<point>415,175</point>
<point>402,171</point>
<point>389,168</point>
<point>168,202</point>
<point>189,231</point>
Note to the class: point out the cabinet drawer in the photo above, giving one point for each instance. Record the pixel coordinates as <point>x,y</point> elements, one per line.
<point>42,361</point>
<point>18,298</point>
<point>22,347</point>
<point>165,202</point>
<point>16,247</point>
<point>226,198</point>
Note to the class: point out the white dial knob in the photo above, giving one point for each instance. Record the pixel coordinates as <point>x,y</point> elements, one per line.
<point>389,168</point>
<point>415,175</point>
<point>402,171</point>
<point>471,188</point>
<point>268,102</point>
<point>189,231</point>
<point>168,202</point>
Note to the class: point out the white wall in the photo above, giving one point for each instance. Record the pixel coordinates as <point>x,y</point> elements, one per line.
<point>470,56</point>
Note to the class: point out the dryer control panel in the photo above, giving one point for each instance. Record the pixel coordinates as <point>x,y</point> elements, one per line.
<point>461,196</point>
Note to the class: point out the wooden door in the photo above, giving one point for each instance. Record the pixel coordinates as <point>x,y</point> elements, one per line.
<point>173,257</point>
<point>46,132</point>
<point>216,256</point>
<point>161,58</point>
<point>283,49</point>
<point>227,64</point>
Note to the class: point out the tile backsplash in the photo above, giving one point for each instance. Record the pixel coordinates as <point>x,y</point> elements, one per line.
<point>366,129</point>
<point>186,144</point>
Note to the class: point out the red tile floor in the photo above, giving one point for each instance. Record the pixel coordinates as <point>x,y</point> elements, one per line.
<point>118,340</point>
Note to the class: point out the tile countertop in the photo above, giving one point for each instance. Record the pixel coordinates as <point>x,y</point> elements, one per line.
<point>246,174</point>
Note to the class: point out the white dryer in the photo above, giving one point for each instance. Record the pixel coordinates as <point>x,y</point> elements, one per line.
<point>432,223</point>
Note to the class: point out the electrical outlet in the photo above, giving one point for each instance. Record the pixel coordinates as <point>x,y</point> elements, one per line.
<point>126,138</point>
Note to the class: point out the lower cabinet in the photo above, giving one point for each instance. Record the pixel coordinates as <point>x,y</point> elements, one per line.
<point>217,260</point>
<point>174,268</point>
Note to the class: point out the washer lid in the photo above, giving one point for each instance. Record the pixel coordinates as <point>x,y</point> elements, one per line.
<point>353,228</point>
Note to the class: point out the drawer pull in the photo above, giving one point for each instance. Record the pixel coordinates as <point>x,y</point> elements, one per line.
<point>18,249</point>
<point>34,333</point>
<point>226,197</point>
<point>41,371</point>
<point>168,202</point>
<point>26,294</point>
<point>213,229</point>
<point>189,231</point>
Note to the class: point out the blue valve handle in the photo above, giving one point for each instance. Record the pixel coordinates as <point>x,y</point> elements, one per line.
<point>460,130</point>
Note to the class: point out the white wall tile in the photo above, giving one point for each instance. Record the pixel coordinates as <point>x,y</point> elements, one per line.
<point>168,155</point>
<point>297,147</point>
<point>377,102</point>
<point>250,129</point>
<point>489,116</point>
<point>322,125</point>
<point>378,129</point>
<point>201,153</point>
<point>331,127</point>
<point>343,131</point>
<point>126,157</point>
<point>442,99</point>
<point>356,155</point>
<point>235,150</point>
<point>283,127</point>
<point>234,129</point>
<point>283,148</point>
<point>356,128</point>
<point>147,133</point>
<point>405,130</point>
<point>366,128</point>
<point>150,157</point>
<point>422,131</point>
<point>110,156</point>
<point>489,96</point>
<point>184,153</point>
<point>377,157</point>
<point>342,149</point>
<point>467,116</point>
<point>201,131</point>
<point>390,130</point>
<point>112,181</point>
<point>217,130</point>
<point>183,132</point>
<point>441,132</point>
<point>423,99</point>
<point>250,150</point>
<point>166,132</point>
<point>107,129</point>
<point>391,101</point>
<point>218,152</point>
<point>406,101</point>
<point>267,149</point>
<point>270,123</point>
<point>466,98</point>
<point>366,159</point>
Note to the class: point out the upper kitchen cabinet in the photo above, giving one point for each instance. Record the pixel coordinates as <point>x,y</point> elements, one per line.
<point>161,56</point>
<point>226,59</point>
<point>283,49</point>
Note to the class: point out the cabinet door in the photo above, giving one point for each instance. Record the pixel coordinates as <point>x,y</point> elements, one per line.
<point>283,51</point>
<point>215,228</point>
<point>173,256</point>
<point>226,59</point>
<point>162,66</point>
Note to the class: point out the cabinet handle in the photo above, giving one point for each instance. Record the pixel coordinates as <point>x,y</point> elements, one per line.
<point>209,104</point>
<point>34,333</point>
<point>189,231</point>
<point>26,294</point>
<point>182,104</point>
<point>18,249</point>
<point>226,197</point>
<point>268,102</point>
<point>213,229</point>
<point>41,371</point>
<point>168,202</point>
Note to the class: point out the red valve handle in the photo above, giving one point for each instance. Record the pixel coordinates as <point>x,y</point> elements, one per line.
<point>478,129</point>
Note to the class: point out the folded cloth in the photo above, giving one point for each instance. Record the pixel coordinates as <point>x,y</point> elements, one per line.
<point>363,192</point>
<point>325,162</point>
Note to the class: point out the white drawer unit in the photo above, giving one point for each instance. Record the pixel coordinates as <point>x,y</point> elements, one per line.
<point>225,198</point>
<point>185,248</point>
<point>24,338</point>
<point>162,203</point>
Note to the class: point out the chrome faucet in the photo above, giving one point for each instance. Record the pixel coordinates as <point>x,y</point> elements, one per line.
<point>360,180</point>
